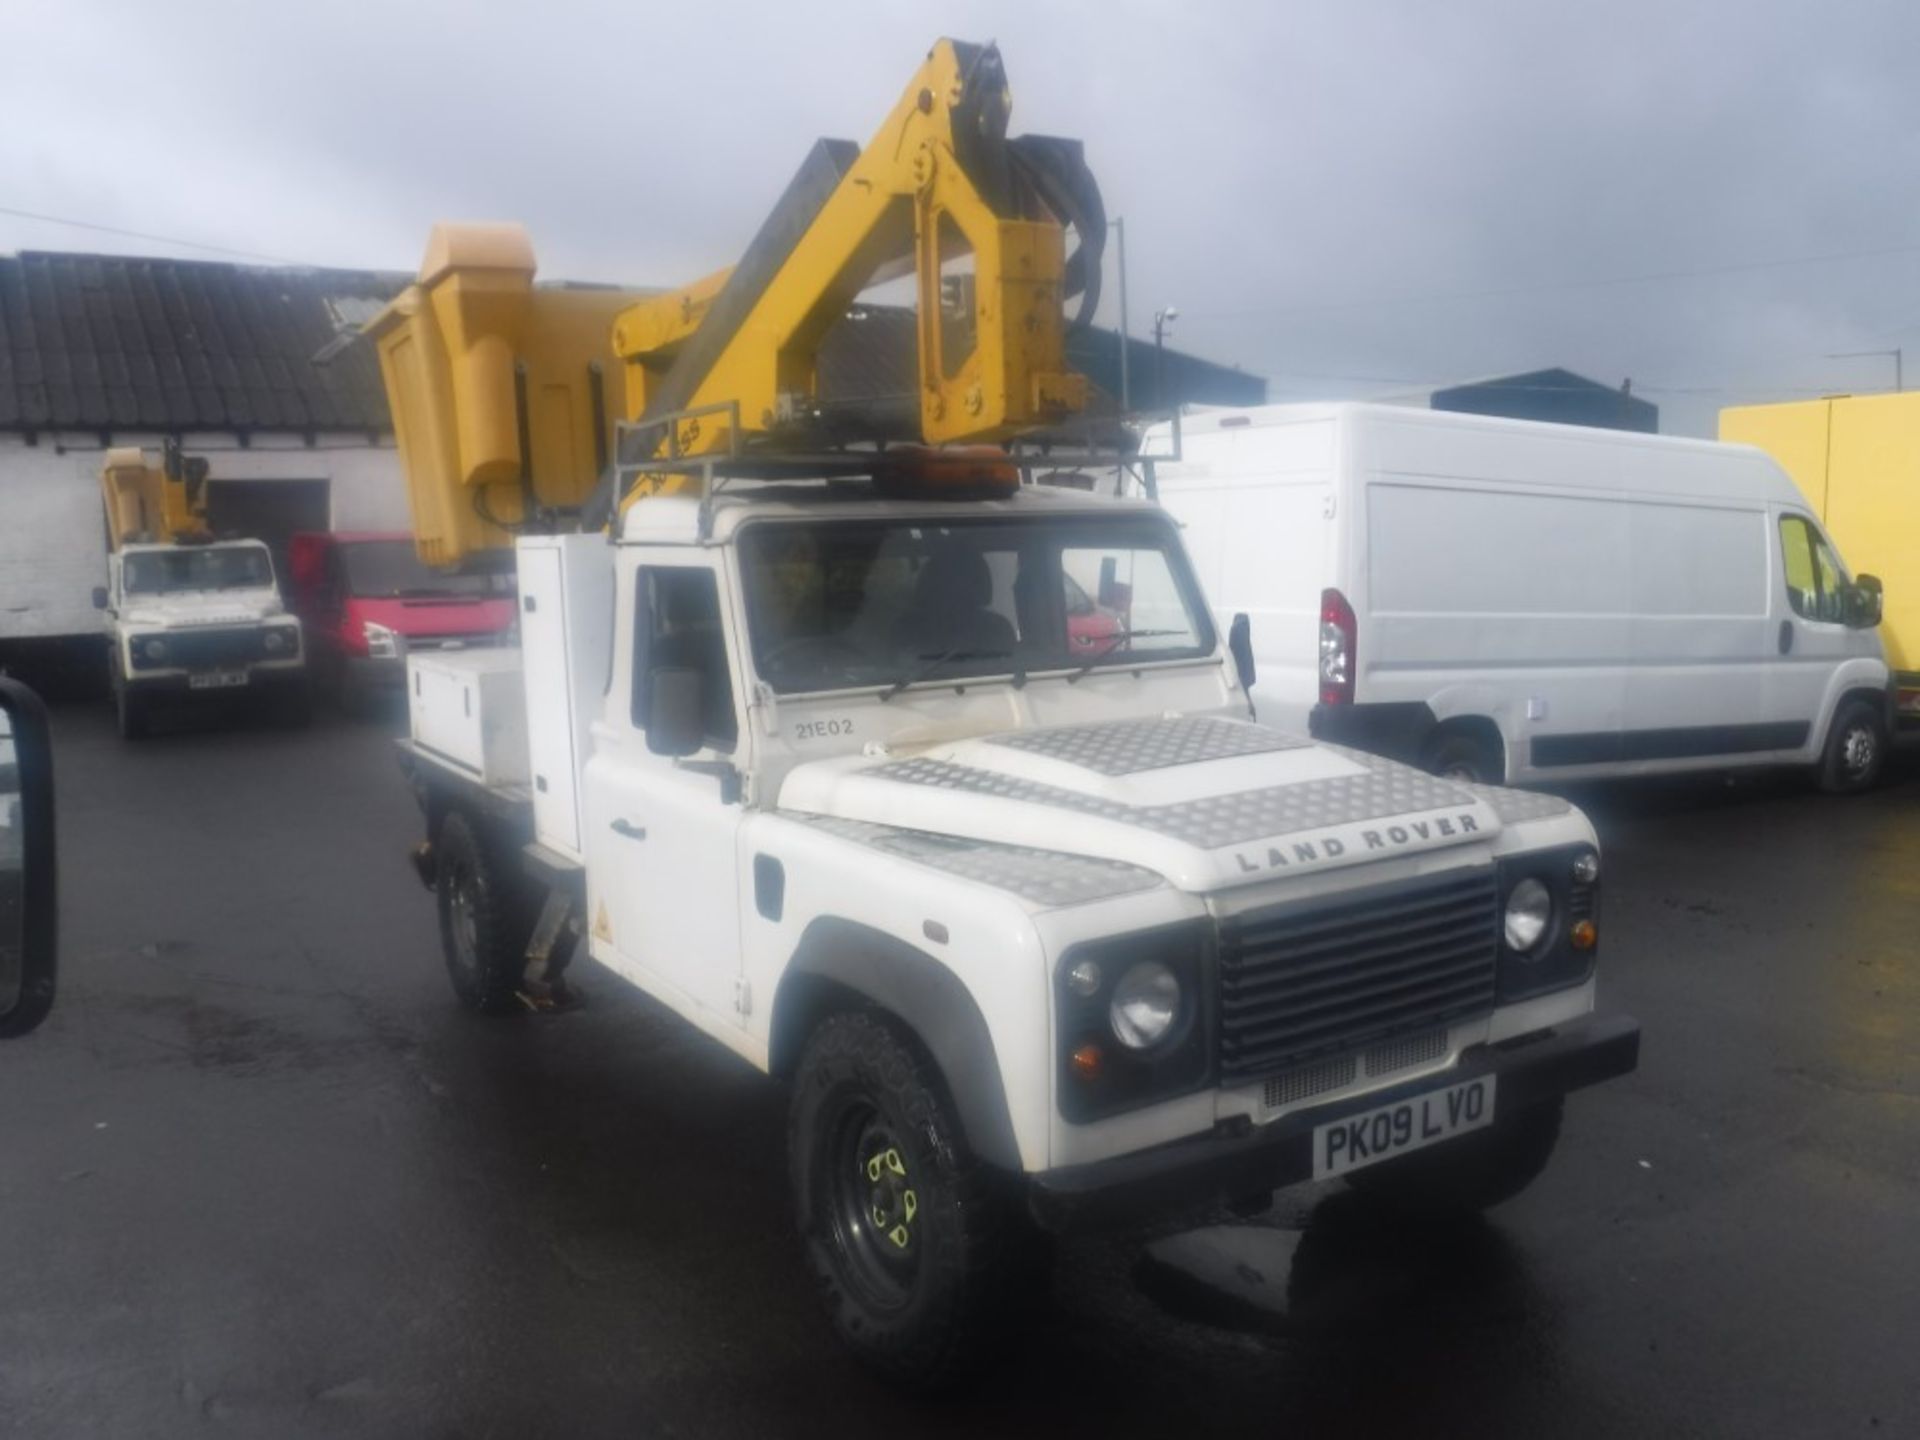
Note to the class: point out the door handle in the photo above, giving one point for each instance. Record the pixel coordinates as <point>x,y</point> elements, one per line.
<point>1786,636</point>
<point>629,830</point>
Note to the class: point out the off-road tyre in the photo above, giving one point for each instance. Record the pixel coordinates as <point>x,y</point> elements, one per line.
<point>1461,755</point>
<point>130,712</point>
<point>1474,1172</point>
<point>923,1254</point>
<point>1856,749</point>
<point>483,926</point>
<point>292,707</point>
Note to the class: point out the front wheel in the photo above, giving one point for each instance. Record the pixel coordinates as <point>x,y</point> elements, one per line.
<point>481,935</point>
<point>130,712</point>
<point>919,1249</point>
<point>1474,1172</point>
<point>1856,749</point>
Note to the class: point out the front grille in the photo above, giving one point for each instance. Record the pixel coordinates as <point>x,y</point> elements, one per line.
<point>1298,982</point>
<point>1407,1053</point>
<point>201,649</point>
<point>1297,1085</point>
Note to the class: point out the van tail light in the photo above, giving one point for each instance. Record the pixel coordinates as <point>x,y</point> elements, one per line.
<point>1338,649</point>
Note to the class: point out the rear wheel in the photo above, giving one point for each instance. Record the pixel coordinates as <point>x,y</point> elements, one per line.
<point>1856,749</point>
<point>1474,1172</point>
<point>921,1251</point>
<point>1462,755</point>
<point>483,937</point>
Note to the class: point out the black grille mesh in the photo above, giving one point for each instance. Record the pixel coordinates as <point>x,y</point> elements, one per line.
<point>1300,981</point>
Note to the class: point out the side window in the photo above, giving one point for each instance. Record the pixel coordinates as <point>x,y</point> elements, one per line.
<point>676,626</point>
<point>1815,581</point>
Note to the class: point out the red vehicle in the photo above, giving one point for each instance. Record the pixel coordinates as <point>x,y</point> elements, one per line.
<point>367,599</point>
<point>1092,629</point>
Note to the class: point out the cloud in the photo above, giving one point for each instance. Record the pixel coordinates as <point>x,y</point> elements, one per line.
<point>1308,182</point>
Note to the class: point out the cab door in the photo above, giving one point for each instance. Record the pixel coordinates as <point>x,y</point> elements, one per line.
<point>662,832</point>
<point>1811,638</point>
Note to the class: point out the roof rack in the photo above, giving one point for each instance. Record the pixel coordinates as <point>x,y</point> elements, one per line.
<point>640,462</point>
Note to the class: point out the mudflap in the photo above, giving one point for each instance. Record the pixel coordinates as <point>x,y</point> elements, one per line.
<point>543,987</point>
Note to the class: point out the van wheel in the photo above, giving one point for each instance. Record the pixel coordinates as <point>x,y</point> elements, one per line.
<point>1856,749</point>
<point>1474,1172</point>
<point>481,937</point>
<point>1458,755</point>
<point>920,1250</point>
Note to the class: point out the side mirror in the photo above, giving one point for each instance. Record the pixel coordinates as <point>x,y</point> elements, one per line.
<point>1240,646</point>
<point>675,724</point>
<point>28,946</point>
<point>1865,600</point>
<point>99,597</point>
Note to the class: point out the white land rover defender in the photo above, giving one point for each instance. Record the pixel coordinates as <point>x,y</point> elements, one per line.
<point>951,814</point>
<point>194,619</point>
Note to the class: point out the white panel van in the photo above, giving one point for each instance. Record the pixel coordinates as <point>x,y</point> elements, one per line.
<point>1511,601</point>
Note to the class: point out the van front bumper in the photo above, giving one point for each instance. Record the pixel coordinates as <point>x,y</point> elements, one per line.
<point>1241,1162</point>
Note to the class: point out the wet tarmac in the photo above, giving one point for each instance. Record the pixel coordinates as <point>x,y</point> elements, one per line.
<point>260,1177</point>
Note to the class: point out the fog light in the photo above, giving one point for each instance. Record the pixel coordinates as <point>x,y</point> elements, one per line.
<point>1586,869</point>
<point>1584,935</point>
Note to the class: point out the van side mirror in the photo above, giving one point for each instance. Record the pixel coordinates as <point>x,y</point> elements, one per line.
<point>1865,600</point>
<point>28,942</point>
<point>99,597</point>
<point>1240,646</point>
<point>675,701</point>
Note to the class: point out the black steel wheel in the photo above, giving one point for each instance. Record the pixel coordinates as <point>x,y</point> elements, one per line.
<point>922,1252</point>
<point>483,936</point>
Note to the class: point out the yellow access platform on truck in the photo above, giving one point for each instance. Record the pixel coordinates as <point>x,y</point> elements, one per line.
<point>506,396</point>
<point>160,504</point>
<point>1856,459</point>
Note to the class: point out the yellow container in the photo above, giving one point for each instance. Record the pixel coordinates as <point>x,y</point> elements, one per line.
<point>1856,459</point>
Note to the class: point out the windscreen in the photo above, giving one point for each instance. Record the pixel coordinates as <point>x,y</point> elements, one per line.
<point>842,604</point>
<point>163,572</point>
<point>388,569</point>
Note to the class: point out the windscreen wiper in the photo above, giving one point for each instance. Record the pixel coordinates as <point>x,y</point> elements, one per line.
<point>1117,637</point>
<point>930,663</point>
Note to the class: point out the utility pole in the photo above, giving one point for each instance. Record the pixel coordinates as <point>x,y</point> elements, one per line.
<point>1162,322</point>
<point>1897,354</point>
<point>1126,385</point>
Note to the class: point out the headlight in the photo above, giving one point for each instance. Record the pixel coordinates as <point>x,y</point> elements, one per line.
<point>1145,1004</point>
<point>382,642</point>
<point>154,649</point>
<point>1529,908</point>
<point>276,641</point>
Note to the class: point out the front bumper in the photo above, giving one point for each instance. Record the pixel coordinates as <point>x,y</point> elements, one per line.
<point>377,672</point>
<point>259,678</point>
<point>1234,1163</point>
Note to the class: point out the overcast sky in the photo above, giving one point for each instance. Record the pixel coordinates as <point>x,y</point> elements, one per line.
<point>1346,197</point>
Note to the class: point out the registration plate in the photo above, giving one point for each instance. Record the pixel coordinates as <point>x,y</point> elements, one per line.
<point>1405,1125</point>
<point>217,680</point>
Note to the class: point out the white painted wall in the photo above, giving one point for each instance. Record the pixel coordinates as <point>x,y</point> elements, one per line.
<point>53,536</point>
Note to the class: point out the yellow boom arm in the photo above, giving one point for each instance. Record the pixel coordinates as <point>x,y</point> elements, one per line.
<point>505,396</point>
